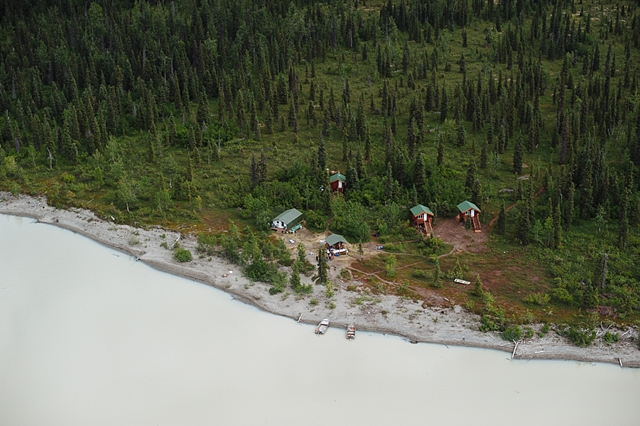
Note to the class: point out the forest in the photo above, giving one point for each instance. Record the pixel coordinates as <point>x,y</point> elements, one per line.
<point>213,116</point>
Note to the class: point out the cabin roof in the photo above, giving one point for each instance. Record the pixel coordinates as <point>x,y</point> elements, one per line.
<point>467,205</point>
<point>334,239</point>
<point>419,209</point>
<point>337,176</point>
<point>288,216</point>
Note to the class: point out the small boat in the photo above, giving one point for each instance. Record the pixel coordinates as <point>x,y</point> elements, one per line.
<point>322,327</point>
<point>351,332</point>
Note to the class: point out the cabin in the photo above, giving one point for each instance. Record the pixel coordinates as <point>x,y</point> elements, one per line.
<point>335,245</point>
<point>422,218</point>
<point>287,221</point>
<point>338,182</point>
<point>468,209</point>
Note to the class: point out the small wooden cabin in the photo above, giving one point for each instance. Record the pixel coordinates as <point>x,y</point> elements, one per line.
<point>289,220</point>
<point>336,244</point>
<point>338,182</point>
<point>422,218</point>
<point>468,209</point>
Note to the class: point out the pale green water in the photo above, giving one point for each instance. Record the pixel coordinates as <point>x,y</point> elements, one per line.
<point>88,336</point>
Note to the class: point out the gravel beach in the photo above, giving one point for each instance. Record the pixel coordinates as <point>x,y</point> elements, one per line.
<point>378,313</point>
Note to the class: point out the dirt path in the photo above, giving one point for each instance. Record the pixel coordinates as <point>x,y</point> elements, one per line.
<point>510,206</point>
<point>375,273</point>
<point>326,231</point>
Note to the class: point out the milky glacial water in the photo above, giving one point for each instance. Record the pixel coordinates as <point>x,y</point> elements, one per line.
<point>89,336</point>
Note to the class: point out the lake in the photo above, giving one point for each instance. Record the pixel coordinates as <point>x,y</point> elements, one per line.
<point>89,336</point>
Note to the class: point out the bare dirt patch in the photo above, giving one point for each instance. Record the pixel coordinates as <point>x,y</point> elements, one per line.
<point>453,233</point>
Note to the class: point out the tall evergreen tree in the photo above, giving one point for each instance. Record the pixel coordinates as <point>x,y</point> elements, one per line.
<point>517,155</point>
<point>322,275</point>
<point>501,224</point>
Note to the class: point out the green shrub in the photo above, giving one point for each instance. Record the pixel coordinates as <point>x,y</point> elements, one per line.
<point>314,221</point>
<point>206,243</point>
<point>182,255</point>
<point>419,274</point>
<point>395,248</point>
<point>512,333</point>
<point>390,266</point>
<point>610,337</point>
<point>540,299</point>
<point>561,295</point>
<point>580,336</point>
<point>344,275</point>
<point>304,289</point>
<point>487,298</point>
<point>543,330</point>
<point>493,319</point>
<point>260,270</point>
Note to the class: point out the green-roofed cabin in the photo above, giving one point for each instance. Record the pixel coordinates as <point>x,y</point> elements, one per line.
<point>422,218</point>
<point>338,182</point>
<point>288,220</point>
<point>468,209</point>
<point>336,244</point>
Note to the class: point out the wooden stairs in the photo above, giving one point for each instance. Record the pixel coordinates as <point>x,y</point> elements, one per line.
<point>476,224</point>
<point>427,228</point>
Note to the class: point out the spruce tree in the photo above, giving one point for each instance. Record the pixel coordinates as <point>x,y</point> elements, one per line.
<point>322,274</point>
<point>484,156</point>
<point>419,176</point>
<point>253,171</point>
<point>476,194</point>
<point>477,287</point>
<point>471,175</point>
<point>294,279</point>
<point>322,158</point>
<point>388,186</point>
<point>568,212</point>
<point>557,227</point>
<point>462,135</point>
<point>444,105</point>
<point>502,220</point>
<point>517,155</point>
<point>440,157</point>
<point>261,168</point>
<point>523,225</point>
<point>437,281</point>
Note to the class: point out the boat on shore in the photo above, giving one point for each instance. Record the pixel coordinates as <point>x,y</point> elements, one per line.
<point>322,327</point>
<point>351,332</point>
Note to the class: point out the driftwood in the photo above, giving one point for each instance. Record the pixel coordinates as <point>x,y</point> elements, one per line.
<point>515,348</point>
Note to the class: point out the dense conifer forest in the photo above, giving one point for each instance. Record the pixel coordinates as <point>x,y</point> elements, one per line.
<point>212,115</point>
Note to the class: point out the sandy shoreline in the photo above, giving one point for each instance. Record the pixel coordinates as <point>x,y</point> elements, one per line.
<point>377,313</point>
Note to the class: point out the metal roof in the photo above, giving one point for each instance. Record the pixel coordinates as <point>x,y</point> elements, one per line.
<point>419,209</point>
<point>288,216</point>
<point>334,239</point>
<point>467,205</point>
<point>337,176</point>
